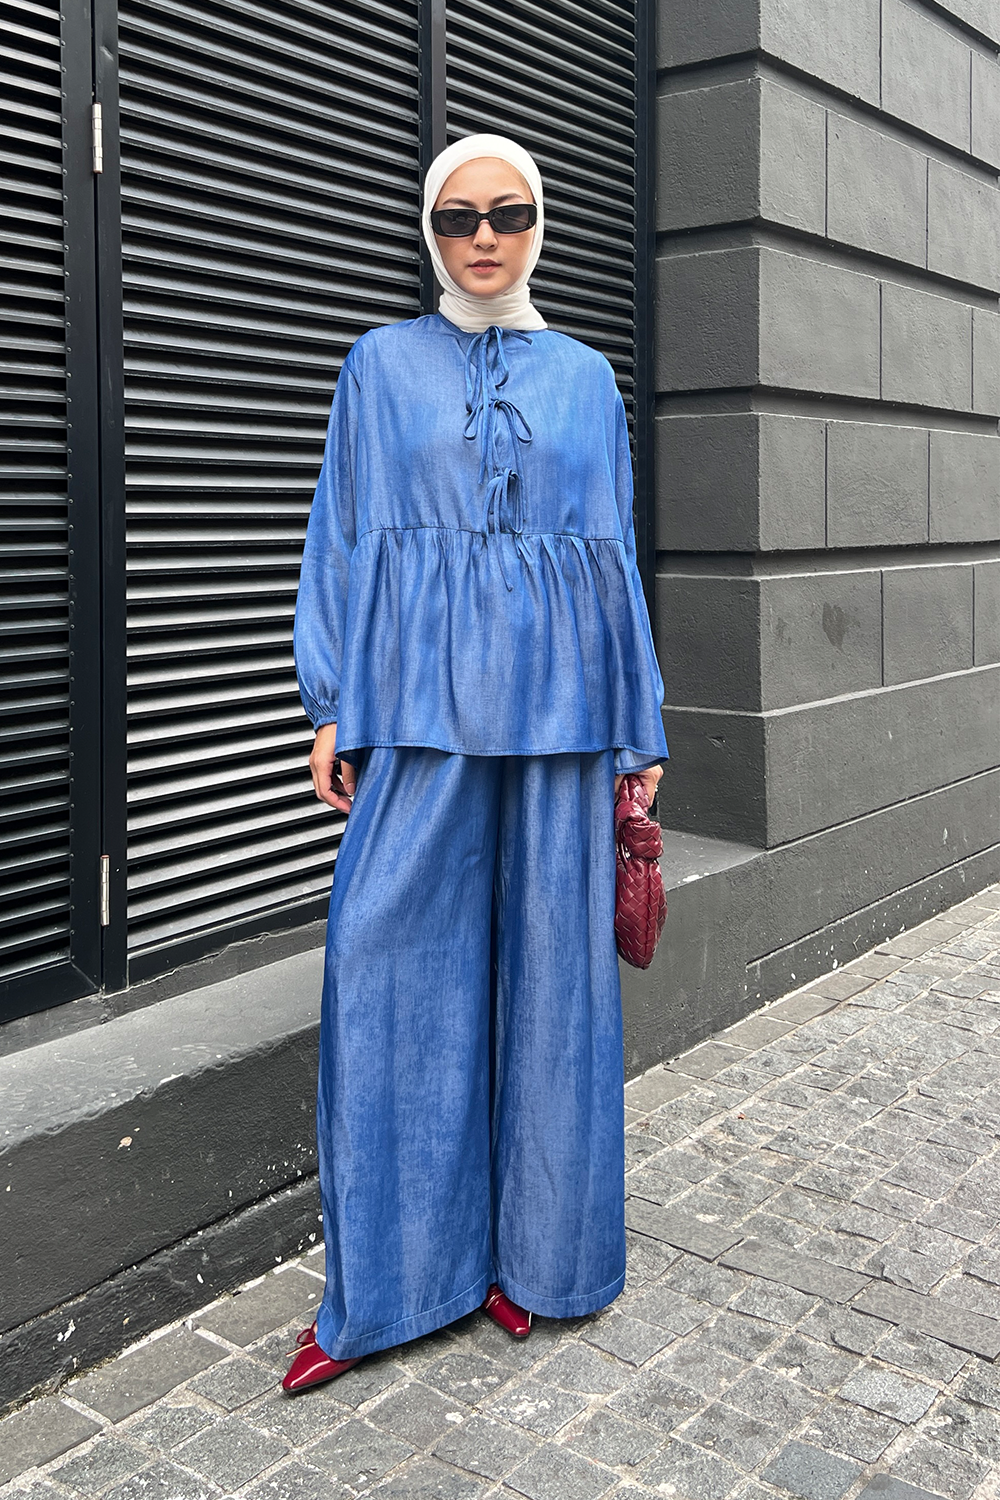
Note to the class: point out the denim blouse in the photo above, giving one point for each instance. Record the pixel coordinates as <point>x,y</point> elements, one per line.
<point>469,577</point>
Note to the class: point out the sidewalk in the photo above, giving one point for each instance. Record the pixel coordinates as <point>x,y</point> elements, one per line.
<point>812,1307</point>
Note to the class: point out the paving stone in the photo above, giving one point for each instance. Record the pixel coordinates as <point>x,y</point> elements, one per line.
<point>39,1432</point>
<point>654,1088</point>
<point>537,1406</point>
<point>418,1413</point>
<point>842,1428</point>
<point>780,1402</point>
<point>356,1453</point>
<point>231,1452</point>
<point>429,1479</point>
<point>694,1364</point>
<point>298,1420</point>
<point>704,1283</point>
<point>885,1487</point>
<point>630,1339</point>
<point>586,1370</point>
<point>293,1481</point>
<point>933,1315</point>
<point>466,1375</point>
<point>810,1474</point>
<point>557,1471</point>
<point>374,1375</point>
<point>140,1376</point>
<point>677,1229</point>
<point>684,1470</point>
<point>811,1364</point>
<point>938,1467</point>
<point>891,1394</point>
<point>485,1447</point>
<point>233,1383</point>
<point>273,1303</point>
<point>668,1309</point>
<point>921,1354</point>
<point>615,1441</point>
<point>166,1425</point>
<point>741,1335</point>
<point>973,1428</point>
<point>843,1328</point>
<point>775,1231</point>
<point>163,1481</point>
<point>790,1268</point>
<point>106,1462</point>
<point>733,1434</point>
<point>658,1398</point>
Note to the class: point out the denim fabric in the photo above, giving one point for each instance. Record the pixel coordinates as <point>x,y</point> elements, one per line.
<point>470,1104</point>
<point>469,577</point>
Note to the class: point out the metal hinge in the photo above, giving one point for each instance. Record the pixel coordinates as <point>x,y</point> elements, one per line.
<point>105,890</point>
<point>97,122</point>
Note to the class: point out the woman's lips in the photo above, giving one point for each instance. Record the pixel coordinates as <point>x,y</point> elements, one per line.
<point>485,267</point>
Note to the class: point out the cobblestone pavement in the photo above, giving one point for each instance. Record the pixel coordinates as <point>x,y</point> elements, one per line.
<point>812,1306</point>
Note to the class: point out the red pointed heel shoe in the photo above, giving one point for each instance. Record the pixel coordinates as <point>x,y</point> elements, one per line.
<point>502,1310</point>
<point>311,1366</point>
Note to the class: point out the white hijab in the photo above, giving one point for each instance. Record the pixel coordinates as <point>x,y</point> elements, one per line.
<point>514,307</point>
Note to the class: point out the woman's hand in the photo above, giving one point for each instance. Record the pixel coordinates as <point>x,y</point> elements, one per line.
<point>649,778</point>
<point>333,789</point>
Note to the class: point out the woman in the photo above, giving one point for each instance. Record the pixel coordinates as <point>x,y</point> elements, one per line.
<point>474,652</point>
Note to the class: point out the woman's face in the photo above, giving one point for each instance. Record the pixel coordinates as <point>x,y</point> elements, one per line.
<point>485,263</point>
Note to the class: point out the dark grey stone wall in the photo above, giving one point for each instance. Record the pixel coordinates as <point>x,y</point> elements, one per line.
<point>828,460</point>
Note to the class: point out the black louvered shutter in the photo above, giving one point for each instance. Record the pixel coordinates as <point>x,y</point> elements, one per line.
<point>48,880</point>
<point>269,202</point>
<point>561,78</point>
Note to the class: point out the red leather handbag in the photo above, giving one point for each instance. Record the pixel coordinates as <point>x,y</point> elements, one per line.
<point>640,902</point>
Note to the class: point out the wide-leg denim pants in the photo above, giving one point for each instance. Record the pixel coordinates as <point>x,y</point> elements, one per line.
<point>470,1102</point>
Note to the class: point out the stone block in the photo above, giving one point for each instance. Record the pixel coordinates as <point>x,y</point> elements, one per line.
<point>792,158</point>
<point>877,485</point>
<point>792,482</point>
<point>819,326</point>
<point>706,320</point>
<point>886,1487</point>
<point>985,361</point>
<point>708,159</point>
<point>963,225</point>
<point>877,192</point>
<point>791,1268</point>
<point>707,482</point>
<point>889,1394</point>
<point>276,1300</point>
<point>485,1447</point>
<point>926,349</point>
<point>986,628</point>
<point>716,786</point>
<point>357,1454</point>
<point>429,1479</point>
<point>683,1231</point>
<point>654,1088</point>
<point>965,487</point>
<point>928,620</point>
<point>711,653</point>
<point>986,108</point>
<point>555,1470</point>
<point>695,30</point>
<point>889,746</point>
<point>981,15</point>
<point>141,1376</point>
<point>230,1453</point>
<point>925,73</point>
<point>810,1474</point>
<point>820,636</point>
<point>836,43</point>
<point>39,1432</point>
<point>932,1315</point>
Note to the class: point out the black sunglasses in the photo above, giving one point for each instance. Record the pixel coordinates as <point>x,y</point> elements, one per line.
<point>509,218</point>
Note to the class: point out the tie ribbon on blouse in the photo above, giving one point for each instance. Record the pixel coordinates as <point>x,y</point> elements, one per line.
<point>486,371</point>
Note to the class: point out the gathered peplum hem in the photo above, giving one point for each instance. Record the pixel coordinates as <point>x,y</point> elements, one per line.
<point>439,651</point>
